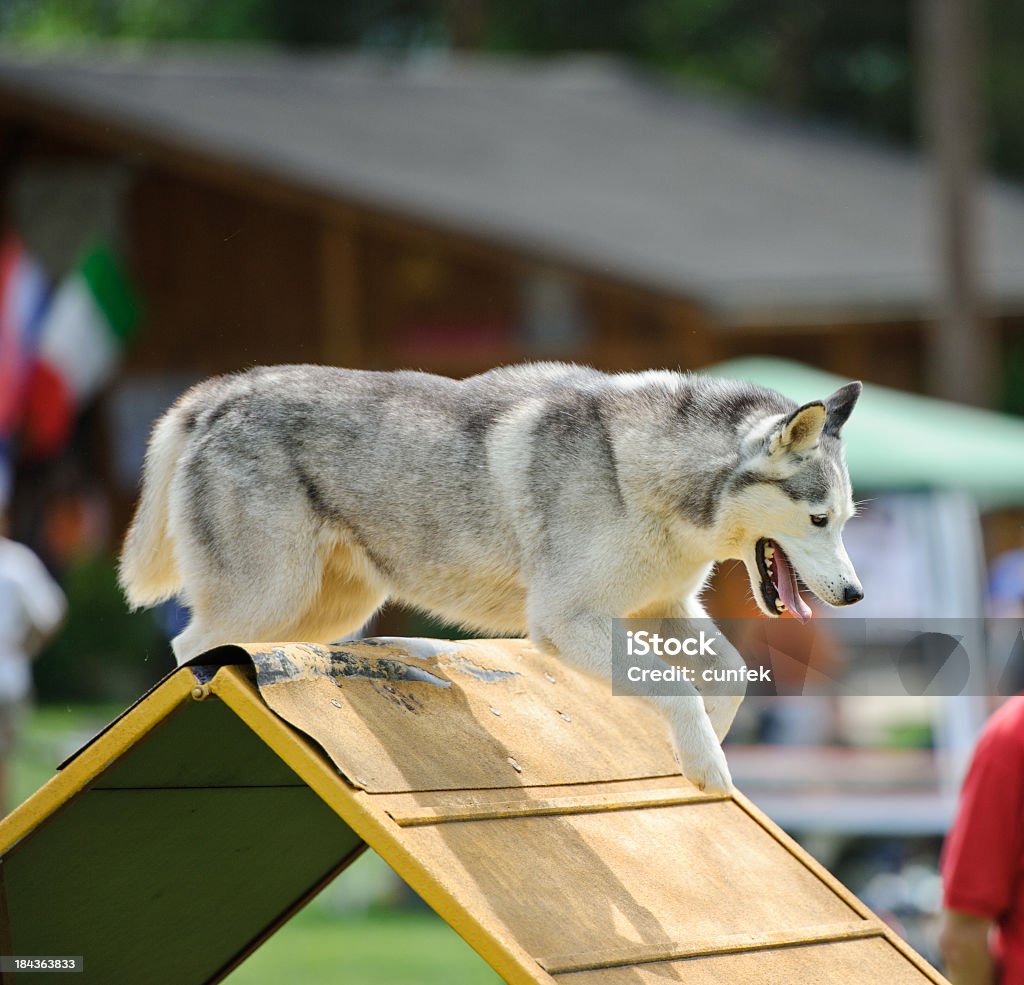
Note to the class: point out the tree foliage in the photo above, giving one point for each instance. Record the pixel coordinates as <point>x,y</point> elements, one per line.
<point>850,61</point>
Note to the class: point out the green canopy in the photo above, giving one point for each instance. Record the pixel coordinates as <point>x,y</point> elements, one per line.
<point>898,440</point>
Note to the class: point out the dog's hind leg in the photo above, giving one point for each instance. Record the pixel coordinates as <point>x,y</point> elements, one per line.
<point>296,583</point>
<point>351,590</point>
<point>340,605</point>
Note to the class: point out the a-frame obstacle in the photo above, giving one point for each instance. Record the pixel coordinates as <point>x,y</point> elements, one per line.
<point>542,818</point>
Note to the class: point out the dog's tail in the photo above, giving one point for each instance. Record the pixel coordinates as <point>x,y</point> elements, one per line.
<point>149,572</point>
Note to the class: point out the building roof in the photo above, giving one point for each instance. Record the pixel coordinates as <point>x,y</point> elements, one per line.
<point>756,215</point>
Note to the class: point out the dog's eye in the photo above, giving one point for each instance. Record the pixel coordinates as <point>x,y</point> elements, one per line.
<point>819,519</point>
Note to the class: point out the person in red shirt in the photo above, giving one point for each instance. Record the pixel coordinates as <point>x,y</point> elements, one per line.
<point>982,937</point>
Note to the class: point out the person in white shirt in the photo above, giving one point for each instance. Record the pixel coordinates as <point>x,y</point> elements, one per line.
<point>32,607</point>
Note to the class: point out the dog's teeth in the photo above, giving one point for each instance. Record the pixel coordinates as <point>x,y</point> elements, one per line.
<point>769,563</point>
<point>769,552</point>
<point>780,606</point>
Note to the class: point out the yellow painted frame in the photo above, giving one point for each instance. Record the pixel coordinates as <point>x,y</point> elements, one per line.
<point>368,816</point>
<point>231,686</point>
<point>137,722</point>
<point>373,825</point>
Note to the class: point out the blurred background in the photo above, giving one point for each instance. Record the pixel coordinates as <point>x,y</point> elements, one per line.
<point>786,191</point>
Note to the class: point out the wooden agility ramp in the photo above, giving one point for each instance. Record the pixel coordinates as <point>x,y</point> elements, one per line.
<point>542,818</point>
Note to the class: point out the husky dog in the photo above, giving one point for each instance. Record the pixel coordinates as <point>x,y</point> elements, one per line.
<point>289,502</point>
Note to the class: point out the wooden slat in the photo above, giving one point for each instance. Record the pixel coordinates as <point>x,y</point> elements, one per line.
<point>443,800</point>
<point>858,961</point>
<point>706,947</point>
<point>598,801</point>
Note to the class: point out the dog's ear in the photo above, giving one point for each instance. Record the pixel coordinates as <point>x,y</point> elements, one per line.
<point>839,406</point>
<point>801,430</point>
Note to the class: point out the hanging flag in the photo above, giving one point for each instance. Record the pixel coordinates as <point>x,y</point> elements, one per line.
<point>93,314</point>
<point>23,298</point>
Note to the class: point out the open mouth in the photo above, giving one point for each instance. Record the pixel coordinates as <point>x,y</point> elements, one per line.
<point>778,581</point>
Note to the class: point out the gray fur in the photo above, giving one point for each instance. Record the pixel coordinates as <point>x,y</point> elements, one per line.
<point>812,482</point>
<point>290,502</point>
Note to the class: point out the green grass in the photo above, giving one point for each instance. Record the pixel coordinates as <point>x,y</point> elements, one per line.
<point>342,936</point>
<point>50,734</point>
<point>381,947</point>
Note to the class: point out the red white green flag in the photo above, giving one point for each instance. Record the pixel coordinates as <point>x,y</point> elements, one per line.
<point>93,314</point>
<point>23,296</point>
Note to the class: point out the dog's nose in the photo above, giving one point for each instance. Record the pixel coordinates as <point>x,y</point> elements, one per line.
<point>852,593</point>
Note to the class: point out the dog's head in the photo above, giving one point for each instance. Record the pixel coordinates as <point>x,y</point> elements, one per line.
<point>785,508</point>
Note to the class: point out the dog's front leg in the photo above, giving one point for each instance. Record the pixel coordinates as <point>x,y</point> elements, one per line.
<point>722,699</point>
<point>585,639</point>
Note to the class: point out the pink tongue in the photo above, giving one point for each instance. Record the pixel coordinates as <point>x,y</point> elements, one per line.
<point>785,582</point>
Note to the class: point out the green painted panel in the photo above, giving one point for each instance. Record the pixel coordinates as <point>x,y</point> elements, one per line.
<point>165,886</point>
<point>202,744</point>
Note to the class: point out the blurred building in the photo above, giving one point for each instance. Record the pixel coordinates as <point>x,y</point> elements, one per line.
<point>453,214</point>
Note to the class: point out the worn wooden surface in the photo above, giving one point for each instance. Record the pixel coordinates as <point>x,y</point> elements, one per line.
<point>553,814</point>
<point>475,715</point>
<point>544,819</point>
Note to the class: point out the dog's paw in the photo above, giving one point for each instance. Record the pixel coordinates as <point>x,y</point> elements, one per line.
<point>705,767</point>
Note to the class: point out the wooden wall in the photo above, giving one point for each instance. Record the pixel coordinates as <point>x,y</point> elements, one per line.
<point>228,282</point>
<point>232,281</point>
